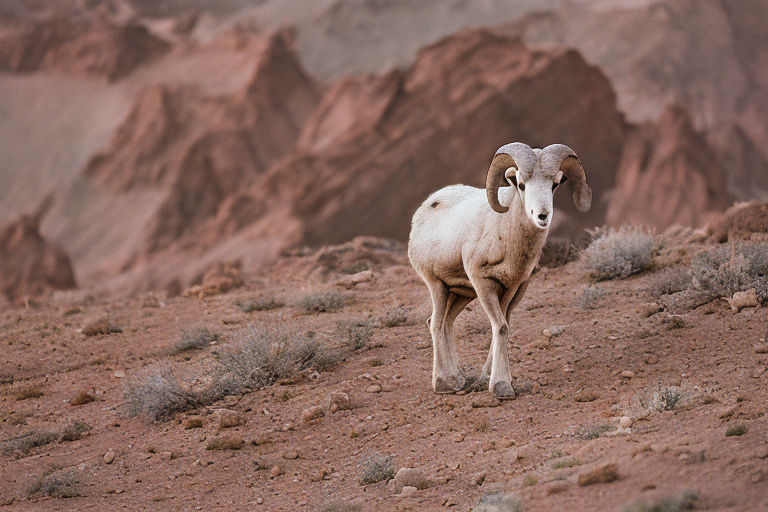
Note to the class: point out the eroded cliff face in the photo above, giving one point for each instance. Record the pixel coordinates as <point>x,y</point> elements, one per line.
<point>377,146</point>
<point>31,265</point>
<point>669,175</point>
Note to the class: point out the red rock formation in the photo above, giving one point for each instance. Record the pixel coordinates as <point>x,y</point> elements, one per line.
<point>90,46</point>
<point>377,146</point>
<point>198,150</point>
<point>668,175</point>
<point>31,265</point>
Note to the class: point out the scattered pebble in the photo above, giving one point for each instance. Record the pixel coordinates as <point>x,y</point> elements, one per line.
<point>313,413</point>
<point>649,308</point>
<point>479,478</point>
<point>746,299</point>
<point>408,490</point>
<point>486,400</point>
<point>109,456</point>
<point>99,325</point>
<point>627,374</point>
<point>625,422</point>
<point>229,419</point>
<point>119,374</point>
<point>339,401</point>
<point>290,454</point>
<point>410,477</point>
<point>555,330</point>
<point>650,358</point>
<point>373,388</point>
<point>601,475</point>
<point>760,348</point>
<point>275,471</point>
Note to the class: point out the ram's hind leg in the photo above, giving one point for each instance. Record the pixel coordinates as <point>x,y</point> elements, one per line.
<point>446,376</point>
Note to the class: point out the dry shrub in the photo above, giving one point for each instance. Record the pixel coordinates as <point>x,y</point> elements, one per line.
<point>225,443</point>
<point>663,398</point>
<point>82,398</point>
<point>157,393</point>
<point>499,502</point>
<point>24,443</point>
<point>74,430</point>
<point>194,339</point>
<point>322,302</point>
<point>619,253</point>
<point>28,393</point>
<point>251,304</point>
<point>58,484</point>
<point>261,356</point>
<point>591,298</point>
<point>394,317</point>
<point>338,506</point>
<point>375,468</point>
<point>356,334</point>
<point>685,501</point>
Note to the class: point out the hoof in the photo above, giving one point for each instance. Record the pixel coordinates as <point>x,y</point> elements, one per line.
<point>451,384</point>
<point>503,390</point>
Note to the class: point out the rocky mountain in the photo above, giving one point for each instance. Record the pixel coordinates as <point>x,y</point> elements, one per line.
<point>668,175</point>
<point>31,265</point>
<point>82,46</point>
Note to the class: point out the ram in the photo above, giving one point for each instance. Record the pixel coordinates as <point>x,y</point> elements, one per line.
<point>468,244</point>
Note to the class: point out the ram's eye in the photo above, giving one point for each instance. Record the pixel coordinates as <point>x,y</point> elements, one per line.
<point>522,186</point>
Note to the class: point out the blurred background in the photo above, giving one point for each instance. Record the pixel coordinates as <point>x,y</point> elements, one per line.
<point>142,142</point>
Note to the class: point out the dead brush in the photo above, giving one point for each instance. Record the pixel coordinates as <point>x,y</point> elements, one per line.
<point>157,393</point>
<point>618,253</point>
<point>322,302</point>
<point>194,339</point>
<point>56,484</point>
<point>375,468</point>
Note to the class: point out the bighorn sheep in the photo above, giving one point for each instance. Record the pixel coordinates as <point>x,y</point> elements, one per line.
<point>467,243</point>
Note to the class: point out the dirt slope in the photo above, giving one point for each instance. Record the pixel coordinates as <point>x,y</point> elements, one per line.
<point>534,447</point>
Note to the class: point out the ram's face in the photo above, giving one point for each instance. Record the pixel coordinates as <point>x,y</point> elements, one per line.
<point>537,190</point>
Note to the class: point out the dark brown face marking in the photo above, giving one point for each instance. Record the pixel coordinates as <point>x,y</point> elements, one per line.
<point>435,204</point>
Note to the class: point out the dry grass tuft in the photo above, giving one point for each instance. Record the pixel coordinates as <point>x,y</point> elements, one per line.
<point>686,501</point>
<point>376,468</point>
<point>29,392</point>
<point>74,430</point>
<point>57,484</point>
<point>194,339</point>
<point>251,304</point>
<point>82,398</point>
<point>356,334</point>
<point>394,317</point>
<point>24,443</point>
<point>225,443</point>
<point>157,393</point>
<point>618,253</point>
<point>322,302</point>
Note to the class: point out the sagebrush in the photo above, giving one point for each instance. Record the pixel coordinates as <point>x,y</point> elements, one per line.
<point>619,253</point>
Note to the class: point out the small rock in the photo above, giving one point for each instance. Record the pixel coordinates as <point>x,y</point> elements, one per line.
<point>585,396</point>
<point>408,490</point>
<point>373,388</point>
<point>99,325</point>
<point>339,401</point>
<point>601,475</point>
<point>555,330</point>
<point>556,487</point>
<point>511,455</point>
<point>193,423</point>
<point>290,454</point>
<point>119,374</point>
<point>320,474</point>
<point>259,500</point>
<point>740,300</point>
<point>275,471</point>
<point>229,419</point>
<point>479,478</point>
<point>627,374</point>
<point>625,421</point>
<point>756,477</point>
<point>410,477</point>
<point>760,348</point>
<point>354,280</point>
<point>313,413</point>
<point>649,308</point>
<point>458,437</point>
<point>650,358</point>
<point>109,456</point>
<point>485,400</point>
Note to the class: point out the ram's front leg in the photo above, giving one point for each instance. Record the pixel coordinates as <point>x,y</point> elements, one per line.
<point>499,373</point>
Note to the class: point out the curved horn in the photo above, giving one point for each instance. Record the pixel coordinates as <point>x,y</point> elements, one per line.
<point>512,155</point>
<point>560,156</point>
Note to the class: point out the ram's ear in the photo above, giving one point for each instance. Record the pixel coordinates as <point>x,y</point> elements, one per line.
<point>511,176</point>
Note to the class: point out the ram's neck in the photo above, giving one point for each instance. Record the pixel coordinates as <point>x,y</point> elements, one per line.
<point>523,240</point>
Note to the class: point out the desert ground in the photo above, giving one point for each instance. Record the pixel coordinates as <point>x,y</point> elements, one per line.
<point>682,381</point>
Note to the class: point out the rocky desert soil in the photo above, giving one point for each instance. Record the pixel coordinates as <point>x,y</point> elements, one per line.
<point>617,401</point>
